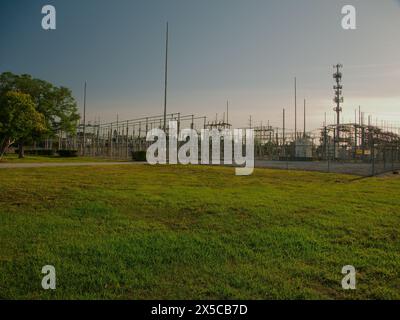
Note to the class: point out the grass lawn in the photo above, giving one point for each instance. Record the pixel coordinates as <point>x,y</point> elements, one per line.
<point>13,158</point>
<point>174,232</point>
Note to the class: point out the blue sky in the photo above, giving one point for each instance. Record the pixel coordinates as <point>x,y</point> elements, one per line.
<point>247,51</point>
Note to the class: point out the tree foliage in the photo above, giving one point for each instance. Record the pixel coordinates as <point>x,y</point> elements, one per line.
<point>56,104</point>
<point>19,119</point>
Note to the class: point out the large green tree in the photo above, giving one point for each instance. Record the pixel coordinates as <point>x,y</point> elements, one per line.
<point>19,120</point>
<point>56,104</point>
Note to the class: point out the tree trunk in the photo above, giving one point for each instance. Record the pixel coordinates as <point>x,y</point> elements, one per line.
<point>21,151</point>
<point>4,146</point>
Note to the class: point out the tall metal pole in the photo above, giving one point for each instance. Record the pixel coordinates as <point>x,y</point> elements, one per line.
<point>304,118</point>
<point>166,80</point>
<point>84,120</point>
<point>127,141</point>
<point>295,108</point>
<point>283,133</point>
<point>227,111</point>
<point>117,139</point>
<point>284,139</point>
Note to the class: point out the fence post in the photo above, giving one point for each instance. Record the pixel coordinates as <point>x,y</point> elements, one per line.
<point>392,149</point>
<point>329,162</point>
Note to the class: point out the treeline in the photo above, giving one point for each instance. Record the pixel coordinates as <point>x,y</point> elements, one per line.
<point>32,110</point>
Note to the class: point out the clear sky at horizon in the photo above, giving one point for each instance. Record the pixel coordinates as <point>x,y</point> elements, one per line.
<point>247,51</point>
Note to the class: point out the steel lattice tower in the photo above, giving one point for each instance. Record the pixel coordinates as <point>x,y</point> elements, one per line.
<point>338,99</point>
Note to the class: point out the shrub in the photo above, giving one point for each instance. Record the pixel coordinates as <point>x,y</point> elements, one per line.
<point>37,152</point>
<point>45,152</point>
<point>139,155</point>
<point>68,153</point>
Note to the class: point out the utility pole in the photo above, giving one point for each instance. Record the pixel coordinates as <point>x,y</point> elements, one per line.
<point>84,120</point>
<point>227,111</point>
<point>304,118</point>
<point>117,139</point>
<point>127,139</point>
<point>284,124</point>
<point>166,80</point>
<point>295,108</point>
<point>284,139</point>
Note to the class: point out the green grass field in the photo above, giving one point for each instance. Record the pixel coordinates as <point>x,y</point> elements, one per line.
<point>174,232</point>
<point>13,158</point>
